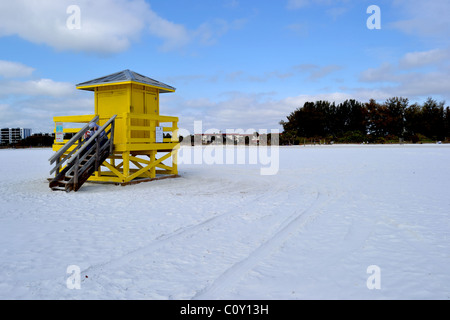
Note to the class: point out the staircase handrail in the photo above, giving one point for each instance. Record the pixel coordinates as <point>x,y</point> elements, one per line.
<point>95,136</point>
<point>72,141</point>
<point>102,143</point>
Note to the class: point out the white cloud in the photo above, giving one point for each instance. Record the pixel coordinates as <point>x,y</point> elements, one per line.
<point>435,59</point>
<point>6,116</point>
<point>301,29</point>
<point>267,76</point>
<point>106,26</point>
<point>239,110</point>
<point>297,4</point>
<point>418,84</point>
<point>414,86</point>
<point>424,58</point>
<point>407,78</point>
<point>209,32</point>
<point>233,76</point>
<point>174,35</point>
<point>40,87</point>
<point>300,100</point>
<point>337,12</point>
<point>37,113</point>
<point>423,18</point>
<point>232,4</point>
<point>29,87</point>
<point>384,73</point>
<point>9,69</point>
<point>32,103</point>
<point>317,72</point>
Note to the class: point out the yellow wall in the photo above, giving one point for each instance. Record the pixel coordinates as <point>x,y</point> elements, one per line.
<point>144,100</point>
<point>126,98</point>
<point>112,100</point>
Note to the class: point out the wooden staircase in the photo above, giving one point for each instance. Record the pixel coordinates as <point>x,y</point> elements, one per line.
<point>85,158</point>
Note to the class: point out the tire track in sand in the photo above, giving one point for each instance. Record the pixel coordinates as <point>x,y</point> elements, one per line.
<point>233,274</point>
<point>92,272</point>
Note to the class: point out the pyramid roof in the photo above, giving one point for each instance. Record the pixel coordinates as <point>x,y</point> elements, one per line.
<point>125,76</point>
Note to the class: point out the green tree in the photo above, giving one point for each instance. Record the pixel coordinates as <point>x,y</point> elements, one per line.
<point>351,115</point>
<point>353,121</point>
<point>447,122</point>
<point>305,122</point>
<point>377,119</point>
<point>413,120</point>
<point>433,119</point>
<point>396,108</point>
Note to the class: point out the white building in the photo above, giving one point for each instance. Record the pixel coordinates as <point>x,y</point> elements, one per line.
<point>229,138</point>
<point>13,135</point>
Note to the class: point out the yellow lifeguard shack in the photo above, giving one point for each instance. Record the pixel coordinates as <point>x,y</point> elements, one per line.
<point>145,142</point>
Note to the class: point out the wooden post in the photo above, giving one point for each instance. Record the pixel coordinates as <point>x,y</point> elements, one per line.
<point>111,144</point>
<point>152,160</point>
<point>97,155</point>
<point>113,125</point>
<point>76,169</point>
<point>176,139</point>
<point>126,164</point>
<point>175,161</point>
<point>57,166</point>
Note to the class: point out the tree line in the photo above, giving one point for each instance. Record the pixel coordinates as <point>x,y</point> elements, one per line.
<point>356,122</point>
<point>36,140</point>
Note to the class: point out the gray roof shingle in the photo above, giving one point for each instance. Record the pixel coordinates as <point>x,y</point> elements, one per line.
<point>127,75</point>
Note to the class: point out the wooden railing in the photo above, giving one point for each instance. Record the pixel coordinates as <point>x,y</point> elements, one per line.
<point>83,120</point>
<point>141,129</point>
<point>79,158</point>
<point>134,143</point>
<point>70,147</point>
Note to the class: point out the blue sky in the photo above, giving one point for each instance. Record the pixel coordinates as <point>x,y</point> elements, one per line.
<point>235,63</point>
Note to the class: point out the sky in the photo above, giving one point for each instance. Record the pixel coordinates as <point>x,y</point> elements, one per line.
<point>236,64</point>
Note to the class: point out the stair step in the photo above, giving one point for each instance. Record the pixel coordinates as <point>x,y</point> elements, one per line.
<point>65,184</point>
<point>65,180</point>
<point>58,189</point>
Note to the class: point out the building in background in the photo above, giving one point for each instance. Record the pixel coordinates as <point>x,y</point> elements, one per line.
<point>13,135</point>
